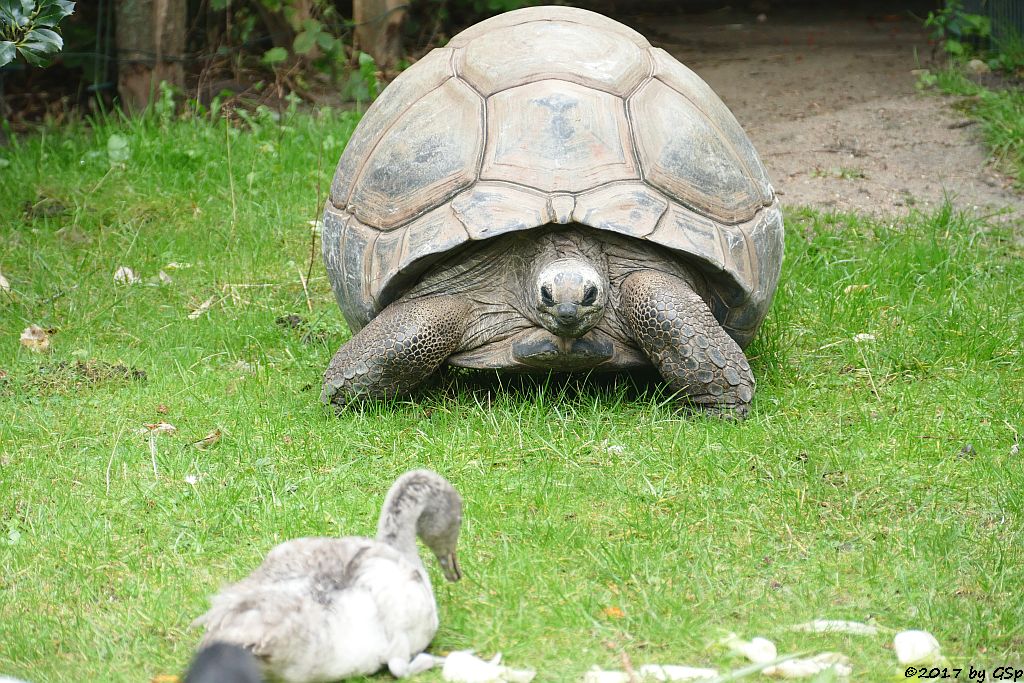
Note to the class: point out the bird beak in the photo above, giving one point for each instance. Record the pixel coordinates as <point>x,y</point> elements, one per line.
<point>450,566</point>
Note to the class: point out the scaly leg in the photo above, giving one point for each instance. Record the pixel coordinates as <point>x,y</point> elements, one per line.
<point>677,331</point>
<point>400,348</point>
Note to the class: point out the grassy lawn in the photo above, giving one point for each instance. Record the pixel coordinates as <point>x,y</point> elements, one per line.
<point>1000,113</point>
<point>873,479</point>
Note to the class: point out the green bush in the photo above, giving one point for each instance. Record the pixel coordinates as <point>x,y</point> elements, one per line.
<point>27,28</point>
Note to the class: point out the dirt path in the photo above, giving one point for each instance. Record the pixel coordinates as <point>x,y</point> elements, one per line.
<point>830,102</point>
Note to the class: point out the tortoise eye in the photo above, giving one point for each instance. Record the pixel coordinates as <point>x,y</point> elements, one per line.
<point>545,296</point>
<point>589,296</point>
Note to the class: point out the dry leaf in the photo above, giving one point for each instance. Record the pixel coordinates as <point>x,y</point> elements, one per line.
<point>174,265</point>
<point>125,276</point>
<point>208,440</point>
<point>851,289</point>
<point>836,626</point>
<point>162,409</point>
<point>158,428</point>
<point>165,678</point>
<point>164,278</point>
<point>5,286</point>
<point>244,366</point>
<point>613,612</point>
<point>203,308</point>
<point>35,339</point>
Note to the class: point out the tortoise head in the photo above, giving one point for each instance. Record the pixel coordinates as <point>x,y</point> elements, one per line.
<point>569,296</point>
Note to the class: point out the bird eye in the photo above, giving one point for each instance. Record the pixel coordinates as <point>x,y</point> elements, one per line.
<point>545,296</point>
<point>589,296</point>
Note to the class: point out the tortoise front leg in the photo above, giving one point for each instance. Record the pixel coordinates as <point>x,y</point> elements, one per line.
<point>677,331</point>
<point>400,348</point>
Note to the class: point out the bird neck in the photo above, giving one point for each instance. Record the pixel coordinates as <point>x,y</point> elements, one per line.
<point>398,521</point>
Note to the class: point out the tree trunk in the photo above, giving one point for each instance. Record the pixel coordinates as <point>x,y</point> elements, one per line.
<point>379,29</point>
<point>150,48</point>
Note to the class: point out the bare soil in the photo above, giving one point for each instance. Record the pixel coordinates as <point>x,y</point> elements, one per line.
<point>829,98</point>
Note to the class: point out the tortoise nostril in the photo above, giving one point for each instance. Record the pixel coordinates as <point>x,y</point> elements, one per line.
<point>565,312</point>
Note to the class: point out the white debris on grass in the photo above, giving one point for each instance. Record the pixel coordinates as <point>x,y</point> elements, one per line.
<point>762,651</point>
<point>464,667</point>
<point>163,278</point>
<point>836,626</point>
<point>157,428</point>
<point>916,647</point>
<point>863,337</point>
<point>126,276</point>
<point>35,338</point>
<point>758,650</point>
<point>200,309</point>
<point>805,667</point>
<point>5,285</point>
<point>676,672</point>
<point>599,675</point>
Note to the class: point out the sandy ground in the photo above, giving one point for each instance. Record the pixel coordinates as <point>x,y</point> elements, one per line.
<point>829,99</point>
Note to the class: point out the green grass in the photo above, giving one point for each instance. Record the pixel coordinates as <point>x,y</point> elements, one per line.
<point>1000,112</point>
<point>599,519</point>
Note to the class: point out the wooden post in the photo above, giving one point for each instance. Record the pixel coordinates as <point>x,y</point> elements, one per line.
<point>379,29</point>
<point>150,48</point>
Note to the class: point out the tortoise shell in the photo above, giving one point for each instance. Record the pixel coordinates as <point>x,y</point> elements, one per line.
<point>550,115</point>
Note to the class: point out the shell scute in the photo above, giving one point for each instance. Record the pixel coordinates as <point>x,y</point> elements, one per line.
<point>429,154</point>
<point>509,57</point>
<point>684,155</point>
<point>557,137</point>
<point>492,209</point>
<point>627,209</point>
<point>430,72</point>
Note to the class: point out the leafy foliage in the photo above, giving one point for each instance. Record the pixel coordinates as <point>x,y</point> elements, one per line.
<point>958,30</point>
<point>27,28</point>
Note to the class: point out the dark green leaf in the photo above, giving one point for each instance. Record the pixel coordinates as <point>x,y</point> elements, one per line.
<point>43,40</point>
<point>304,42</point>
<point>32,56</point>
<point>275,55</point>
<point>326,41</point>
<point>7,52</point>
<point>52,11</point>
<point>12,13</point>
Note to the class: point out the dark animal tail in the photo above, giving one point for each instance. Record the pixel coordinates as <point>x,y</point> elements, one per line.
<point>224,663</point>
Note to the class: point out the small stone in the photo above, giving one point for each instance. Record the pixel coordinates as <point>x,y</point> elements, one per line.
<point>967,451</point>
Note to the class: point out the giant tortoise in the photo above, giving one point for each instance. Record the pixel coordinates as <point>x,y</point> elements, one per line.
<point>550,192</point>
